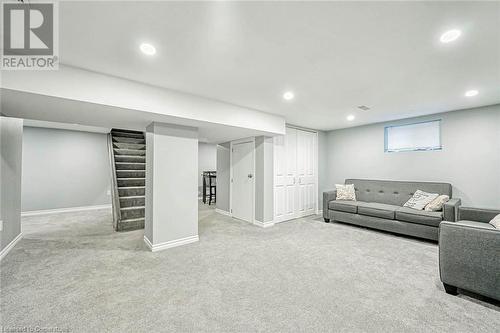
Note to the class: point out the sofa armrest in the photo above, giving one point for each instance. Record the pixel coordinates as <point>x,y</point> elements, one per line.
<point>450,209</point>
<point>468,257</point>
<point>327,197</point>
<point>477,214</point>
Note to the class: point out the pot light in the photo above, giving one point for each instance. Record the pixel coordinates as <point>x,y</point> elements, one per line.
<point>148,49</point>
<point>450,36</point>
<point>350,117</point>
<point>471,93</point>
<point>288,95</point>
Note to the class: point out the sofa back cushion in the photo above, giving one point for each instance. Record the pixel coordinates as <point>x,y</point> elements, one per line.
<point>394,192</point>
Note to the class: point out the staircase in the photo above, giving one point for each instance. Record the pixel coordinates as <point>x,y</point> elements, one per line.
<point>128,158</point>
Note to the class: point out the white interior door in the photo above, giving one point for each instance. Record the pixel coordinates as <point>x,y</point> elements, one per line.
<point>306,173</point>
<point>295,179</point>
<point>242,180</point>
<point>285,172</point>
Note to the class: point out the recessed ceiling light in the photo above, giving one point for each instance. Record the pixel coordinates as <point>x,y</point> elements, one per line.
<point>288,95</point>
<point>148,49</point>
<point>471,93</point>
<point>350,117</point>
<point>450,36</point>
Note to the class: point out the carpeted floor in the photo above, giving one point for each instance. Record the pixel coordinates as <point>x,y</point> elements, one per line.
<point>72,271</point>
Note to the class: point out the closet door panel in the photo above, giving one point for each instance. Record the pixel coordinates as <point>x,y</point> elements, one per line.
<point>306,172</point>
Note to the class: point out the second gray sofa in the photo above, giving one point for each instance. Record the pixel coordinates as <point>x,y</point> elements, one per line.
<point>380,203</point>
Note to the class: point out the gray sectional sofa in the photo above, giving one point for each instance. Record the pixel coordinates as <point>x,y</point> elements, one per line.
<point>469,253</point>
<point>379,205</point>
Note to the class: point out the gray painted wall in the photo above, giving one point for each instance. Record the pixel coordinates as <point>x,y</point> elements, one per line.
<point>207,161</point>
<point>223,176</point>
<point>63,168</point>
<point>470,159</point>
<point>11,145</point>
<point>171,182</point>
<point>264,192</point>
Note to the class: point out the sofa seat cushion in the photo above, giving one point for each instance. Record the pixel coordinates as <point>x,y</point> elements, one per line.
<point>377,210</point>
<point>419,216</point>
<point>476,224</point>
<point>344,206</point>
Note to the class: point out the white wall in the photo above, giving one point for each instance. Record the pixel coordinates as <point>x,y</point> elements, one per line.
<point>171,185</point>
<point>264,174</point>
<point>63,168</point>
<point>470,159</point>
<point>207,161</point>
<point>223,176</point>
<point>11,143</point>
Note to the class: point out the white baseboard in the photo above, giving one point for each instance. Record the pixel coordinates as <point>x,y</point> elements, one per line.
<point>320,212</point>
<point>64,210</point>
<point>223,212</point>
<point>263,224</point>
<point>11,245</point>
<point>170,244</point>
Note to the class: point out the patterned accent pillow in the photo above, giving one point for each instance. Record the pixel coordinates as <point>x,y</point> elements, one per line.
<point>436,205</point>
<point>345,192</point>
<point>496,222</point>
<point>420,199</point>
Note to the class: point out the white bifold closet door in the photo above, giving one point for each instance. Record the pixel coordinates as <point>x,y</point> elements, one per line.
<point>295,178</point>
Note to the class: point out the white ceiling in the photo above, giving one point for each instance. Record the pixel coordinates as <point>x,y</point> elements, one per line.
<point>333,55</point>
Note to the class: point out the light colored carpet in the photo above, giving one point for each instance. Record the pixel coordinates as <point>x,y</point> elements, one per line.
<point>72,271</point>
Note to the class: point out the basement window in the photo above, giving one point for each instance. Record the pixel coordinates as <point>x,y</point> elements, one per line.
<point>422,136</point>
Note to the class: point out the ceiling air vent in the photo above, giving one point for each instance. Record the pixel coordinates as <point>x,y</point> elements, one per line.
<point>363,107</point>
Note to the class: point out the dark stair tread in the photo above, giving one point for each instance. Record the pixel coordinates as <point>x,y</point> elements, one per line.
<point>119,139</point>
<point>138,151</point>
<point>130,187</point>
<point>131,156</point>
<point>132,145</point>
<point>132,220</point>
<point>127,135</point>
<point>133,207</point>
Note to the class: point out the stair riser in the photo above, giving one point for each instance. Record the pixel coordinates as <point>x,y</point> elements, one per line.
<point>120,158</point>
<point>130,166</point>
<point>130,174</point>
<point>129,152</point>
<point>132,202</point>
<point>132,213</point>
<point>130,182</point>
<point>131,192</point>
<point>128,226</point>
<point>127,135</point>
<point>129,146</point>
<point>129,140</point>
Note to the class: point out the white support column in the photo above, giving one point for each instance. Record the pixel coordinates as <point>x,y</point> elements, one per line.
<point>264,190</point>
<point>171,186</point>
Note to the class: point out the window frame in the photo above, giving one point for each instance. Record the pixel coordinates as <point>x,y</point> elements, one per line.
<point>435,148</point>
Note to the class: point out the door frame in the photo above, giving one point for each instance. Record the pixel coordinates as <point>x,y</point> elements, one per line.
<point>231,144</point>
<point>316,169</point>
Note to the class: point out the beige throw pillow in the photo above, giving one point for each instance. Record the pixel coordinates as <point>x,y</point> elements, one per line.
<point>496,221</point>
<point>420,199</point>
<point>436,205</point>
<point>346,192</point>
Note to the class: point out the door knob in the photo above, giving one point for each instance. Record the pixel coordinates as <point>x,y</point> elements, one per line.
<point>250,175</point>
